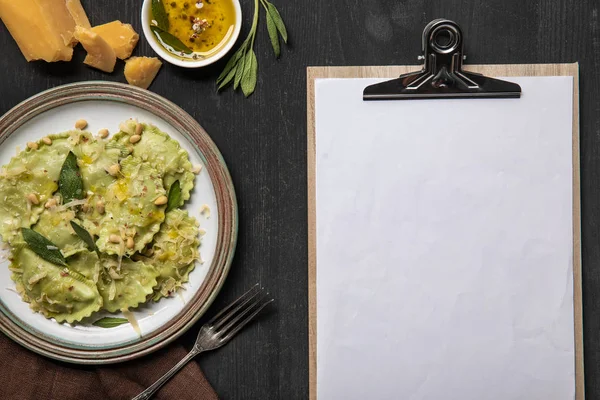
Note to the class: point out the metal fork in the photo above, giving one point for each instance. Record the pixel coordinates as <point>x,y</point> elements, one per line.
<point>218,331</point>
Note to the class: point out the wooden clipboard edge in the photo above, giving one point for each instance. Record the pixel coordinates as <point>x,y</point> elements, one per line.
<point>577,262</point>
<point>314,73</point>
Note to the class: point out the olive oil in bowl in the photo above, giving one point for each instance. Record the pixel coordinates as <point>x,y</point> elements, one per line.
<point>193,30</point>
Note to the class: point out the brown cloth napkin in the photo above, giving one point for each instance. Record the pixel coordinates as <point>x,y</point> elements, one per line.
<point>25,375</point>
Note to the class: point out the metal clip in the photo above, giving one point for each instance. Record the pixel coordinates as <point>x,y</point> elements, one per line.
<point>442,76</point>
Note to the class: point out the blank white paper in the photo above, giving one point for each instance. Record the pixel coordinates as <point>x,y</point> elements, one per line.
<point>445,245</point>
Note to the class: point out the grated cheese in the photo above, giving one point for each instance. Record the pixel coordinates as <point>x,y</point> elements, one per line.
<point>112,291</point>
<point>131,318</point>
<point>73,203</point>
<point>205,210</point>
<point>37,277</point>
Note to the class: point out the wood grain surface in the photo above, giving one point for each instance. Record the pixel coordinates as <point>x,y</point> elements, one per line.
<point>263,140</point>
<point>314,73</point>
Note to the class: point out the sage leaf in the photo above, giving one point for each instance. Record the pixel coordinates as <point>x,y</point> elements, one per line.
<point>86,237</point>
<point>273,34</point>
<point>227,79</point>
<point>231,64</point>
<point>244,61</point>
<point>110,322</point>
<point>160,15</point>
<point>70,184</point>
<point>278,21</point>
<point>239,73</point>
<point>43,247</point>
<point>174,197</point>
<point>250,74</point>
<point>167,39</point>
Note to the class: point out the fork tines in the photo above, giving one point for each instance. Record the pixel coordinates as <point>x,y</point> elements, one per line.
<point>233,318</point>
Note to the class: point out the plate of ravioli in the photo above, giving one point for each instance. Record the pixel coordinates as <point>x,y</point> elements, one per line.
<point>119,222</point>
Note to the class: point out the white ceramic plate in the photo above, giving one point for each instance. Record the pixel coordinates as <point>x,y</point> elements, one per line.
<point>112,104</point>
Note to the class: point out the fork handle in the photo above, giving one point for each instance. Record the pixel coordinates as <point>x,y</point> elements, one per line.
<point>146,394</point>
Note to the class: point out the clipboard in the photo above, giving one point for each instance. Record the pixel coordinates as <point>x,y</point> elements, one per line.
<point>517,70</point>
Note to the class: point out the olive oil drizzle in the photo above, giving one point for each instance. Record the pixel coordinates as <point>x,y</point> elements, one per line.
<point>194,29</point>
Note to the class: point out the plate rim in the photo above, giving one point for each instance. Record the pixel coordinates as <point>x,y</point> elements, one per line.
<point>226,202</point>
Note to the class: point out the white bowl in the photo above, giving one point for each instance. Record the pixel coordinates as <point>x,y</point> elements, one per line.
<point>167,56</point>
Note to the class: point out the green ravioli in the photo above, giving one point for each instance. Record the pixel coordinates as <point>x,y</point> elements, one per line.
<point>30,172</point>
<point>130,211</point>
<point>162,152</point>
<point>55,291</point>
<point>55,225</point>
<point>175,252</point>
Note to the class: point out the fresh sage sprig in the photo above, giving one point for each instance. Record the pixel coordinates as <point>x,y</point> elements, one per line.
<point>174,196</point>
<point>110,322</point>
<point>85,236</point>
<point>43,247</point>
<point>242,67</point>
<point>275,26</point>
<point>70,184</point>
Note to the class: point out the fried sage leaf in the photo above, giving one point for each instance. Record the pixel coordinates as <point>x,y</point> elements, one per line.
<point>110,322</point>
<point>43,247</point>
<point>174,197</point>
<point>70,184</point>
<point>85,236</point>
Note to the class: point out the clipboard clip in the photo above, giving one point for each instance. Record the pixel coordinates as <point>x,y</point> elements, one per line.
<point>442,76</point>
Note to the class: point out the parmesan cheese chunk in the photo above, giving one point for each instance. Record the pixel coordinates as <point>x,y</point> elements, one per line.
<point>141,71</point>
<point>78,13</point>
<point>59,18</point>
<point>100,54</point>
<point>43,30</point>
<point>121,37</point>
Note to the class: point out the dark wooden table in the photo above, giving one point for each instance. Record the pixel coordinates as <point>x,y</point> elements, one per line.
<point>263,140</point>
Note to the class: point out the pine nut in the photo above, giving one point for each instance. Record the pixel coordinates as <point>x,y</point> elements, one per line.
<point>32,145</point>
<point>114,169</point>
<point>135,139</point>
<point>50,203</point>
<point>100,207</point>
<point>114,238</point>
<point>161,201</point>
<point>81,124</point>
<point>130,243</point>
<point>33,199</point>
<point>103,133</point>
<point>139,128</point>
<point>47,140</point>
